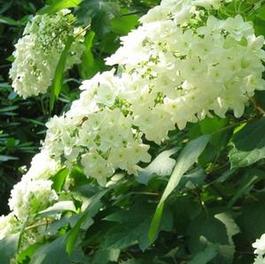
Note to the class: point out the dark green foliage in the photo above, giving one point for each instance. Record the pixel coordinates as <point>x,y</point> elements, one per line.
<point>8,248</point>
<point>21,122</point>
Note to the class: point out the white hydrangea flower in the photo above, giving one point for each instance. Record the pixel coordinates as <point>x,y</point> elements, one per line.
<point>187,74</point>
<point>259,246</point>
<point>42,167</point>
<point>60,137</point>
<point>38,52</point>
<point>28,197</point>
<point>259,260</point>
<point>128,157</point>
<point>99,91</point>
<point>8,225</point>
<point>97,167</point>
<point>178,10</point>
<point>97,125</point>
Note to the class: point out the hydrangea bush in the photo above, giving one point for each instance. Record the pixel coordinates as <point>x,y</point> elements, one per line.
<point>130,173</point>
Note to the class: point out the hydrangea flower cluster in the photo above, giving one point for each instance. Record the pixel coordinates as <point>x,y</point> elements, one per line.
<point>259,246</point>
<point>8,225</point>
<point>180,77</point>
<point>97,131</point>
<point>183,12</point>
<point>30,197</point>
<point>179,66</point>
<point>38,52</point>
<point>187,73</point>
<point>32,194</point>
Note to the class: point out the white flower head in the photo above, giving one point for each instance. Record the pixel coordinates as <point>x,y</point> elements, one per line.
<point>29,197</point>
<point>259,245</point>
<point>42,166</point>
<point>38,52</point>
<point>8,225</point>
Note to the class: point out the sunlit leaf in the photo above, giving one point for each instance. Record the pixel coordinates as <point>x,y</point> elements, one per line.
<point>186,159</point>
<point>59,72</point>
<point>56,5</point>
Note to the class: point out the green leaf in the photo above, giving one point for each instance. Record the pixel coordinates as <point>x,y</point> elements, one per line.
<point>92,209</point>
<point>155,224</point>
<point>186,159</point>
<point>9,21</point>
<point>109,43</point>
<point>132,226</point>
<point>124,24</point>
<point>8,248</point>
<point>205,256</point>
<point>73,234</point>
<point>246,184</point>
<point>9,108</point>
<point>212,125</point>
<point>59,72</point>
<point>194,179</point>
<point>5,6</point>
<point>221,135</point>
<point>226,252</point>
<point>104,256</point>
<point>89,65</point>
<point>162,165</point>
<point>230,224</point>
<point>251,219</point>
<point>56,5</point>
<point>26,254</point>
<point>248,144</point>
<point>21,234</point>
<point>59,208</point>
<point>53,252</point>
<point>4,158</point>
<point>261,13</point>
<point>59,179</point>
<point>205,229</point>
<point>135,261</point>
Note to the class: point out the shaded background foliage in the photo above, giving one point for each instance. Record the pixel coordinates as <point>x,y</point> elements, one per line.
<point>21,122</point>
<point>236,194</point>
